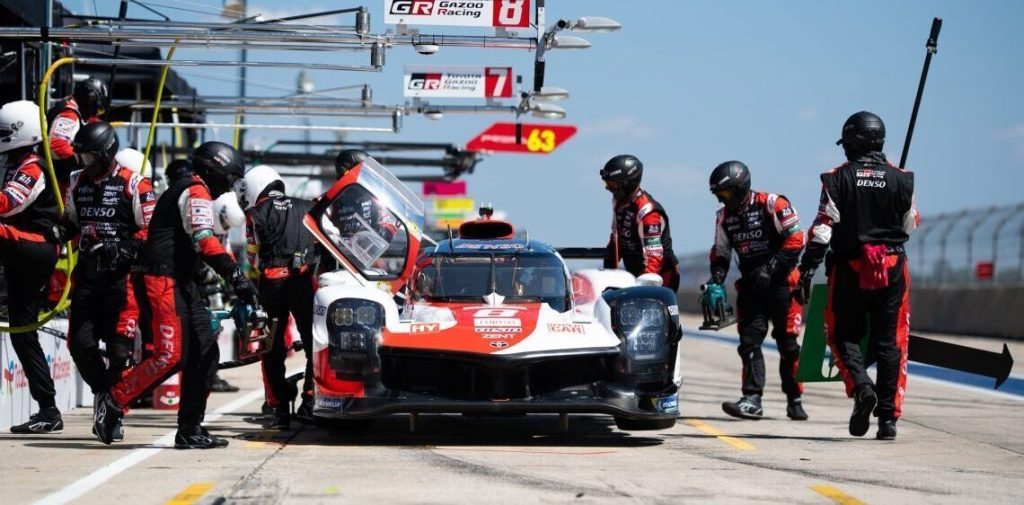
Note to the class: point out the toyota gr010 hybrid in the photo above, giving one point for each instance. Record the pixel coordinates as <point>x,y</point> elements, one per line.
<point>481,322</point>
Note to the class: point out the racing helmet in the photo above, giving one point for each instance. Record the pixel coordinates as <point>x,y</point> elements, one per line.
<point>227,212</point>
<point>257,181</point>
<point>622,174</point>
<point>91,96</point>
<point>95,147</point>
<point>19,125</point>
<point>219,165</point>
<point>730,183</point>
<point>347,160</point>
<point>133,159</point>
<point>863,132</point>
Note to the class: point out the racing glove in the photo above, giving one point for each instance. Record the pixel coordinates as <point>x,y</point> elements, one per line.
<point>802,291</point>
<point>717,276</point>
<point>243,287</point>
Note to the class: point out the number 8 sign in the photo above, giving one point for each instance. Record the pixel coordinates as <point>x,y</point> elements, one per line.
<point>480,13</point>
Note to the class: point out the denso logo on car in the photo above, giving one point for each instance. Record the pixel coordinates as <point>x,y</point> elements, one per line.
<point>498,322</point>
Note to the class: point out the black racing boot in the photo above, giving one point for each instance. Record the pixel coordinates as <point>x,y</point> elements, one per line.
<point>280,420</point>
<point>886,428</point>
<point>118,431</point>
<point>196,437</point>
<point>45,421</point>
<point>106,418</point>
<point>219,385</point>
<point>305,412</point>
<point>795,409</point>
<point>748,407</point>
<point>864,401</point>
<point>266,409</point>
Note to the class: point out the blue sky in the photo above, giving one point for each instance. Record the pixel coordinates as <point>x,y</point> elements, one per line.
<point>687,85</point>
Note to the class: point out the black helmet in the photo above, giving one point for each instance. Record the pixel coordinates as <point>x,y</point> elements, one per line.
<point>621,175</point>
<point>219,165</point>
<point>91,96</point>
<point>177,169</point>
<point>730,182</point>
<point>95,146</point>
<point>863,133</point>
<point>347,160</point>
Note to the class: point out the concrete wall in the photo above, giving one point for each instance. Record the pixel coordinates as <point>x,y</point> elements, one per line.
<point>990,311</point>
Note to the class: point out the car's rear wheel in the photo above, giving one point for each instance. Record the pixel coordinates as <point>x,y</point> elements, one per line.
<point>627,424</point>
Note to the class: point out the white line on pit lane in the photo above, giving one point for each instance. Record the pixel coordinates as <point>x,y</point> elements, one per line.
<point>81,486</point>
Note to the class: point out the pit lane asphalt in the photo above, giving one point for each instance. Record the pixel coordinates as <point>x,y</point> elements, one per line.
<point>956,444</point>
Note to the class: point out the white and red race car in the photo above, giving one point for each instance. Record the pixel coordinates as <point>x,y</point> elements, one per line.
<point>479,323</point>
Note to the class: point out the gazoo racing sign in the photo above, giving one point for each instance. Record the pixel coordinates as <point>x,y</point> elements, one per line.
<point>481,13</point>
<point>458,82</point>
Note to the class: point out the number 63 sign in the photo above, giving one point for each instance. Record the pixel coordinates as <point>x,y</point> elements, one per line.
<point>482,13</point>
<point>536,138</point>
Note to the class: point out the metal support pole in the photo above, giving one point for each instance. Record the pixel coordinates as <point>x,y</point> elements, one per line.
<point>971,228</point>
<point>942,243</point>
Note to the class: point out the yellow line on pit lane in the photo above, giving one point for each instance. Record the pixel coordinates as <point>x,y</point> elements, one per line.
<point>707,429</point>
<point>191,494</point>
<point>834,494</point>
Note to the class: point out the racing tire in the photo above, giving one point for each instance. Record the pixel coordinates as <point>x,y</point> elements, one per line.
<point>626,424</point>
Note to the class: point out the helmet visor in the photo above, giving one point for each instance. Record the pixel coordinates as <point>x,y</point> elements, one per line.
<point>723,195</point>
<point>86,159</point>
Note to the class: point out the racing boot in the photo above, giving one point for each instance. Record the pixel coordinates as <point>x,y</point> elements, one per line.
<point>219,385</point>
<point>886,428</point>
<point>864,400</point>
<point>197,437</point>
<point>266,409</point>
<point>45,421</point>
<point>106,418</point>
<point>280,420</point>
<point>795,409</point>
<point>748,407</point>
<point>304,414</point>
<point>118,431</point>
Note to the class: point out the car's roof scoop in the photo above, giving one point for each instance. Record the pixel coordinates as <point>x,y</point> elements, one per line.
<point>485,228</point>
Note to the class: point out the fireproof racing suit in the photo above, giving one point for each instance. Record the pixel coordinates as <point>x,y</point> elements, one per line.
<point>111,216</point>
<point>765,233</point>
<point>180,235</point>
<point>640,238</point>
<point>65,120</point>
<point>867,213</point>
<point>285,254</point>
<point>28,252</point>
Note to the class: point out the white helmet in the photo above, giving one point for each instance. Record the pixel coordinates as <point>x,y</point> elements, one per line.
<point>255,182</point>
<point>19,125</point>
<point>132,159</point>
<point>229,214</point>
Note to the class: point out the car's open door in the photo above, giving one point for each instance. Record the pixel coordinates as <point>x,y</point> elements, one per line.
<point>371,223</point>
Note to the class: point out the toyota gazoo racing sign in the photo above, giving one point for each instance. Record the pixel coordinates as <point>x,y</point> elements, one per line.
<point>458,82</point>
<point>481,13</point>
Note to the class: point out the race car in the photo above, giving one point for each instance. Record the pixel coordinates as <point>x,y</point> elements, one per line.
<point>481,322</point>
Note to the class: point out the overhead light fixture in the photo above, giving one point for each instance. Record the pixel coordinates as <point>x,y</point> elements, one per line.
<point>546,111</point>
<point>433,114</point>
<point>568,42</point>
<point>550,94</point>
<point>595,24</point>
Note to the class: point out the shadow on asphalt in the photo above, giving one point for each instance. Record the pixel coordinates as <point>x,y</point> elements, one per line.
<point>455,430</point>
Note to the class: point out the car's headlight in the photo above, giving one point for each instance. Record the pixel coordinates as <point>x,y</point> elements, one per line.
<point>642,323</point>
<point>355,324</point>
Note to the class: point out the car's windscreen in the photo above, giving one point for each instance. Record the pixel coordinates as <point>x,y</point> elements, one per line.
<point>523,278</point>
